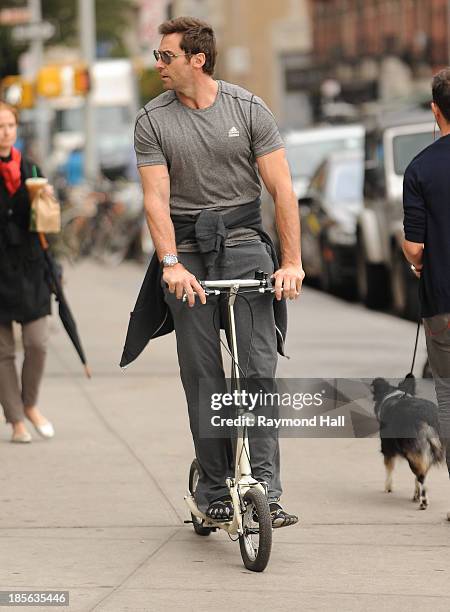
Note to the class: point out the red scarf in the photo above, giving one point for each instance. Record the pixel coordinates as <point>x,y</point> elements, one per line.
<point>10,171</point>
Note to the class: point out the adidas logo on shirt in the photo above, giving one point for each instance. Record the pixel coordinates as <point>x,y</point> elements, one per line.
<point>233,132</point>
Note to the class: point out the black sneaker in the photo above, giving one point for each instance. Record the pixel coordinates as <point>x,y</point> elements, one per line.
<point>220,509</point>
<point>281,518</point>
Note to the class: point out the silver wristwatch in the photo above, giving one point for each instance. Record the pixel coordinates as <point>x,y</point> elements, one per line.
<point>169,260</point>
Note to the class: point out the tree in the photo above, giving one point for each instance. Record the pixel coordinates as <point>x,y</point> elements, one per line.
<point>113,20</point>
<point>150,85</point>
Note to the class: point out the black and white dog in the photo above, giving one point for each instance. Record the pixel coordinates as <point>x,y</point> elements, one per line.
<point>409,428</point>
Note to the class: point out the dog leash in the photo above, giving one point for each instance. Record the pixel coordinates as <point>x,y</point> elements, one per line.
<point>419,322</point>
<point>410,374</point>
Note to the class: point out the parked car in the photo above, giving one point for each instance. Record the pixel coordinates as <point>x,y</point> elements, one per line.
<point>328,216</point>
<point>305,151</point>
<point>383,275</point>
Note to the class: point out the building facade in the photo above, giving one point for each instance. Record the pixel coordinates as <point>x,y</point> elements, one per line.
<point>379,49</point>
<point>259,42</point>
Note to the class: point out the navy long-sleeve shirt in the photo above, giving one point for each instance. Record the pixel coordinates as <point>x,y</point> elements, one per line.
<point>426,205</point>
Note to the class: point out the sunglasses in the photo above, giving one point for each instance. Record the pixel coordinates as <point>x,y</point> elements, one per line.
<point>167,56</point>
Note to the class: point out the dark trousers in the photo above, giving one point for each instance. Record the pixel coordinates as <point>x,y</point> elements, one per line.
<point>437,332</point>
<point>199,356</point>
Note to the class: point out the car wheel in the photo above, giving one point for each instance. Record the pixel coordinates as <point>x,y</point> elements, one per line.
<point>327,283</point>
<point>331,280</point>
<point>372,282</point>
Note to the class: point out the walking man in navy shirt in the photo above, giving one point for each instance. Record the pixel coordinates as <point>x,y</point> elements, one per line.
<point>426,201</point>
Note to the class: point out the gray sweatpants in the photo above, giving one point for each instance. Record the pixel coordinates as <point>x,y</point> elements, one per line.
<point>199,357</point>
<point>13,396</point>
<point>437,332</point>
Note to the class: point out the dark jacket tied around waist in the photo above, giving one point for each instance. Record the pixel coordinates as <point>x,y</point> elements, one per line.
<point>151,316</point>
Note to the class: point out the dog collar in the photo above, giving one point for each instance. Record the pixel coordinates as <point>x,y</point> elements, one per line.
<point>391,395</point>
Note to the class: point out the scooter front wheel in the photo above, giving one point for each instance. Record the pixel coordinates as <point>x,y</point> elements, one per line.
<point>256,541</point>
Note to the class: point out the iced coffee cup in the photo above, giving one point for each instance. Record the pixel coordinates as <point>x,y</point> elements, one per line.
<point>34,185</point>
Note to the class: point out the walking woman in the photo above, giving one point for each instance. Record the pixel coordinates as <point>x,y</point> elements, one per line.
<point>24,292</point>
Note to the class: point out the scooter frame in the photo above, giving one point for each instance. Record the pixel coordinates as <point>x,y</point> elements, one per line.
<point>243,479</point>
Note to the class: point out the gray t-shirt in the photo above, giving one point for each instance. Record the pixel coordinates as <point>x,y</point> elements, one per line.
<point>210,153</point>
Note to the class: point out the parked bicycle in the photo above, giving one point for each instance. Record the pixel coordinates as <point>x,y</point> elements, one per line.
<point>106,222</point>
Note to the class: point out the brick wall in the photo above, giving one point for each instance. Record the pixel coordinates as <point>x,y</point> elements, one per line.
<point>350,29</point>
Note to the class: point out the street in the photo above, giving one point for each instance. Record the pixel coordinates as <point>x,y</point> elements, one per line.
<point>99,510</point>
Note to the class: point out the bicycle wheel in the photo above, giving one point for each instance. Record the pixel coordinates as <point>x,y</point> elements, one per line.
<point>194,474</point>
<point>256,541</point>
<point>71,238</point>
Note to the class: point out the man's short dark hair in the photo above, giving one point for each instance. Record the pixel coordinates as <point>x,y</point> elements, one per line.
<point>440,88</point>
<point>197,37</point>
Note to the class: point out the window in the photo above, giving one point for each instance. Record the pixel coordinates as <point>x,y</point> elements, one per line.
<point>346,182</point>
<point>407,146</point>
<point>304,158</point>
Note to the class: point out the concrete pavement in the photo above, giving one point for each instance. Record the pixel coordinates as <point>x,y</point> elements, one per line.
<point>99,509</point>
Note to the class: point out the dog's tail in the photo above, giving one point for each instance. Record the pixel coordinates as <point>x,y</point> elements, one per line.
<point>429,439</point>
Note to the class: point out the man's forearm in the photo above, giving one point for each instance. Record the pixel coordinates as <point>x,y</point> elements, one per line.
<point>413,252</point>
<point>288,227</point>
<point>160,225</point>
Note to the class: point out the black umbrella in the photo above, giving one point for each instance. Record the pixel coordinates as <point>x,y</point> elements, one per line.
<point>65,314</point>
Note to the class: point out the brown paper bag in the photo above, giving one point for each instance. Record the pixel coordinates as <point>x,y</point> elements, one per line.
<point>45,214</point>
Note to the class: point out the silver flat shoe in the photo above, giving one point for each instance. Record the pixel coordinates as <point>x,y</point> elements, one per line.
<point>22,438</point>
<point>46,431</point>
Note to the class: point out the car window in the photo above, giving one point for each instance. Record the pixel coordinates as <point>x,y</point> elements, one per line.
<point>304,158</point>
<point>346,182</point>
<point>407,146</point>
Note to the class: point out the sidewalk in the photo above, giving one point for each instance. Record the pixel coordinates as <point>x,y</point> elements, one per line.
<point>99,510</point>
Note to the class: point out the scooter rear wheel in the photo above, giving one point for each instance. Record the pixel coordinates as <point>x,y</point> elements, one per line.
<point>194,475</point>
